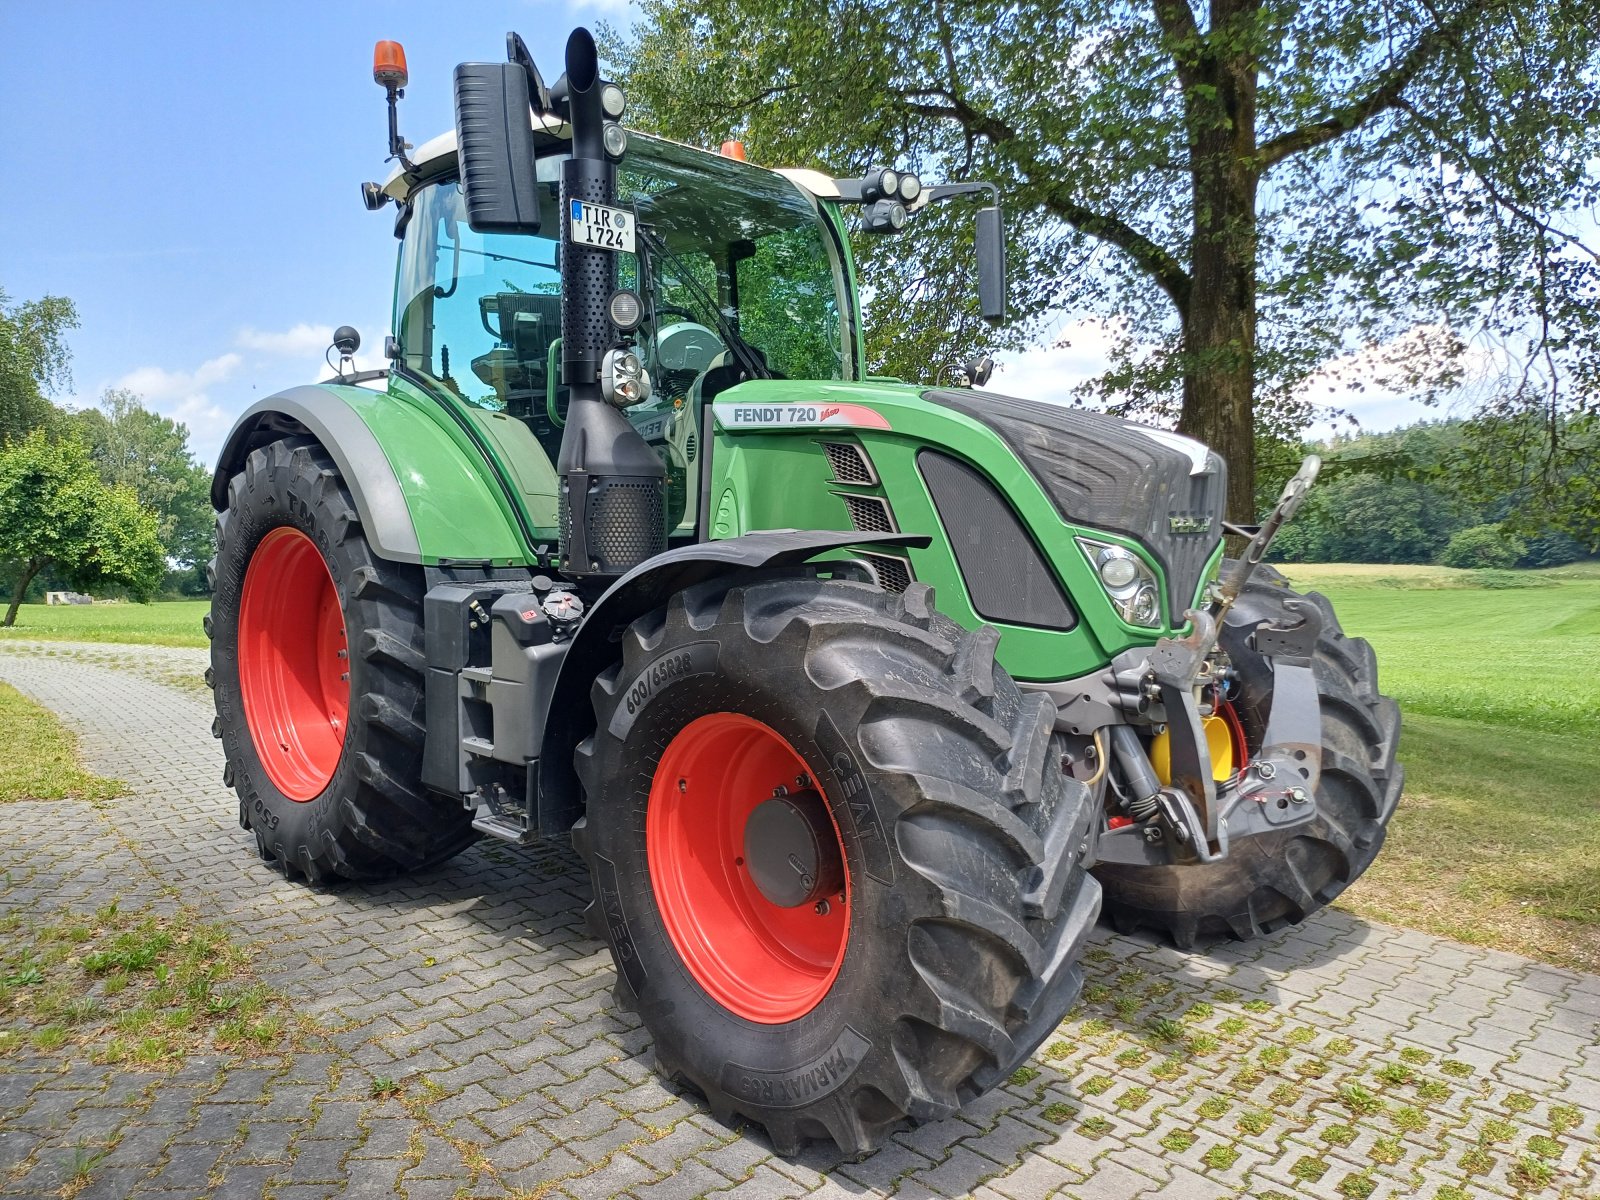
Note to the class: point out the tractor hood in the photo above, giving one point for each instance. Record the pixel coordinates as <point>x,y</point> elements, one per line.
<point>1166,491</point>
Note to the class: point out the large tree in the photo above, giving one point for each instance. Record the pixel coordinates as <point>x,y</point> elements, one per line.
<point>55,512</point>
<point>1248,191</point>
<point>142,450</point>
<point>34,361</point>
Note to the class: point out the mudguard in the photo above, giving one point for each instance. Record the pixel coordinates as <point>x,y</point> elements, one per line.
<point>645,587</point>
<point>415,488</point>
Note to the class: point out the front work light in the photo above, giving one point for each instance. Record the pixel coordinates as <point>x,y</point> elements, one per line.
<point>885,216</point>
<point>625,310</point>
<point>880,183</point>
<point>1127,580</point>
<point>615,139</point>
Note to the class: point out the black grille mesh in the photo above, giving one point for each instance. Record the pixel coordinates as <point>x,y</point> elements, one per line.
<point>869,514</point>
<point>1006,576</point>
<point>894,574</point>
<point>849,464</point>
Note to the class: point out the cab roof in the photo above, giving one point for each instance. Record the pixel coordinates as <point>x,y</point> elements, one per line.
<point>437,157</point>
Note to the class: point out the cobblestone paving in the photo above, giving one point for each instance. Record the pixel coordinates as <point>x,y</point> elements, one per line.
<point>1342,1059</point>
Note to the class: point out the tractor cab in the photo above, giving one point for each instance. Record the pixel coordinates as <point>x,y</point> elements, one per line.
<point>719,251</point>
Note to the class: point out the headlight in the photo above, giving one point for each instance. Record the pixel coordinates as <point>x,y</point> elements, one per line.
<point>1127,580</point>
<point>910,187</point>
<point>623,379</point>
<point>615,139</point>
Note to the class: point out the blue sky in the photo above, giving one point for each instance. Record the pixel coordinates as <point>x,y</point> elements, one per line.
<point>189,174</point>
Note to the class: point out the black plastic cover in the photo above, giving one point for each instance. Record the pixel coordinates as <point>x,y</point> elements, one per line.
<point>1006,576</point>
<point>494,148</point>
<point>1106,473</point>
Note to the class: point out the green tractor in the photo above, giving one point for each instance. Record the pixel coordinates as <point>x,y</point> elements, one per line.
<point>859,698</point>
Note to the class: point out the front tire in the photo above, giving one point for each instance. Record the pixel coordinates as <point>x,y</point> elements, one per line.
<point>1279,879</point>
<point>944,951</point>
<point>317,666</point>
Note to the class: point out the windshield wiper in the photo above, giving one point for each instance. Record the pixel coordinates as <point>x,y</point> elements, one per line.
<point>747,354</point>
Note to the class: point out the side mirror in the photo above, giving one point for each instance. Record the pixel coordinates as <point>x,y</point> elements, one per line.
<point>494,147</point>
<point>991,248</point>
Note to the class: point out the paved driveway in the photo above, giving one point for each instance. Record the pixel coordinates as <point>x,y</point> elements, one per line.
<point>1342,1059</point>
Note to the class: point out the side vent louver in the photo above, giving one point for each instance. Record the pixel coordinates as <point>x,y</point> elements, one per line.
<point>894,573</point>
<point>869,513</point>
<point>849,463</point>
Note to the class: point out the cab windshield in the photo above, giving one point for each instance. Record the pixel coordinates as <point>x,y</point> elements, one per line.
<point>478,314</point>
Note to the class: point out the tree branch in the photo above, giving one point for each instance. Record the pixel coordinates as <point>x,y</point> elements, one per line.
<point>1176,19</point>
<point>1154,259</point>
<point>1384,96</point>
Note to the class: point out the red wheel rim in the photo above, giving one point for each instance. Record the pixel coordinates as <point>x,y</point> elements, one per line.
<point>762,961</point>
<point>293,663</point>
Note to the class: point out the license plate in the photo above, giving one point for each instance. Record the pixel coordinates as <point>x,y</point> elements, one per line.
<point>601,227</point>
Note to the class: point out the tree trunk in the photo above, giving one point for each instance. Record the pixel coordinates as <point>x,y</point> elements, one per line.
<point>1219,326</point>
<point>29,569</point>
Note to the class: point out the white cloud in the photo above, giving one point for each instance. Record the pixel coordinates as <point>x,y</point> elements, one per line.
<point>187,396</point>
<point>1078,352</point>
<point>299,341</point>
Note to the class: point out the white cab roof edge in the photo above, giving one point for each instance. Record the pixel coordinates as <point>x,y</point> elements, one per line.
<point>430,155</point>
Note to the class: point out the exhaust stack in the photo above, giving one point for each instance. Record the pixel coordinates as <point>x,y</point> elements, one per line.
<point>613,486</point>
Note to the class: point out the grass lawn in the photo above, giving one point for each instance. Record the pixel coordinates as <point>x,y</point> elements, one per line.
<point>41,756</point>
<point>1498,834</point>
<point>164,623</point>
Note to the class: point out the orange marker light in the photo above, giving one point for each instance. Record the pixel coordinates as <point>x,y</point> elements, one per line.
<point>733,149</point>
<point>389,64</point>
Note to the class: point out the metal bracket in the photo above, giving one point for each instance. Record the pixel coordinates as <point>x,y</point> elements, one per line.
<point>1295,641</point>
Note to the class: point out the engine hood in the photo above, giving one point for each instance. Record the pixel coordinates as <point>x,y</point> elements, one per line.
<point>1164,490</point>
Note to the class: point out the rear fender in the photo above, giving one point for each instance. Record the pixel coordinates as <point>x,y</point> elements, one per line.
<point>646,587</point>
<point>416,489</point>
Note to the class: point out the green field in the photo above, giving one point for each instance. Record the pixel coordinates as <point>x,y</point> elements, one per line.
<point>1498,834</point>
<point>164,623</point>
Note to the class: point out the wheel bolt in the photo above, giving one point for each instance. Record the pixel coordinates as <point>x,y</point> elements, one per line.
<point>683,787</point>
<point>822,908</point>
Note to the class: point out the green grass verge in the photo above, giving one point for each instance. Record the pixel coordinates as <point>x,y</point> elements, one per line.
<point>164,623</point>
<point>1497,835</point>
<point>40,761</point>
<point>147,990</point>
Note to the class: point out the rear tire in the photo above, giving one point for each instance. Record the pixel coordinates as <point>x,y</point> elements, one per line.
<point>358,810</point>
<point>964,898</point>
<point>1279,879</point>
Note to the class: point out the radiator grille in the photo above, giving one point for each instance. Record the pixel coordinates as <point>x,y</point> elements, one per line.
<point>894,574</point>
<point>849,463</point>
<point>869,514</point>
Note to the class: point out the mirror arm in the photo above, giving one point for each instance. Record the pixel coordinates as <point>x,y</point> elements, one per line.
<point>538,95</point>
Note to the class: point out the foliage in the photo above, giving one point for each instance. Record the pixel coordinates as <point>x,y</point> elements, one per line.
<point>55,511</point>
<point>1400,497</point>
<point>1250,193</point>
<point>135,448</point>
<point>33,361</point>
<point>1483,546</point>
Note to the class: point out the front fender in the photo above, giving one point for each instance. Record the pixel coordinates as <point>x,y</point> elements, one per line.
<point>594,646</point>
<point>417,488</point>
